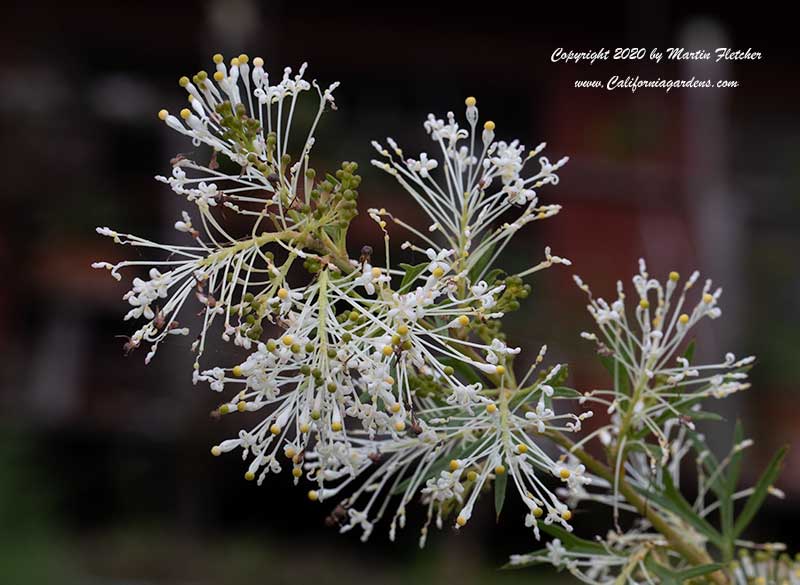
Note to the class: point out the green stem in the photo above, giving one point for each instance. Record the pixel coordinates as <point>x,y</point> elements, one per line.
<point>693,554</point>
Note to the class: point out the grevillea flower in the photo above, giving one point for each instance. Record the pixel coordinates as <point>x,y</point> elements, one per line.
<point>380,385</point>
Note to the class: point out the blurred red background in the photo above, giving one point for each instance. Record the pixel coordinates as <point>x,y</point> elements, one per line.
<point>105,474</point>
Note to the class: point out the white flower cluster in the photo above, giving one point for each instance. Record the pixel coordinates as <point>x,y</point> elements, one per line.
<point>377,384</point>
<point>654,378</point>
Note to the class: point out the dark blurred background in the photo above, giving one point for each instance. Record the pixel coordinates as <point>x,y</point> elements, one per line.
<point>105,475</point>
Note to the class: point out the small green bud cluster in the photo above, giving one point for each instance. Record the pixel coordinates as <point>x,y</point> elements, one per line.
<point>239,128</point>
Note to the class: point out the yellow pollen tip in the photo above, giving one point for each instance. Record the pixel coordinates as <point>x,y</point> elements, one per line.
<point>237,371</point>
<point>183,81</point>
<point>287,340</point>
<point>162,115</point>
<point>216,451</point>
<point>243,59</point>
<point>235,62</point>
<point>644,303</point>
<point>500,470</point>
<point>491,408</point>
<point>470,102</point>
<point>224,409</point>
<point>258,62</point>
<point>395,407</point>
<point>489,125</point>
<point>454,465</point>
<point>461,520</point>
<point>387,350</point>
<point>313,495</point>
<point>683,319</point>
<point>566,515</point>
<point>249,476</point>
<point>501,370</point>
<point>297,472</point>
<point>403,330</point>
<point>537,512</point>
<point>707,298</point>
<point>185,113</point>
<point>376,272</point>
<point>390,380</point>
<point>242,406</point>
<point>283,293</point>
<point>275,429</point>
<point>290,452</point>
<point>217,58</point>
<point>219,76</point>
<point>472,475</point>
<point>336,426</point>
<point>399,426</point>
<point>304,428</point>
<point>674,276</point>
<point>438,272</point>
<point>522,448</point>
<point>564,474</point>
<point>463,320</point>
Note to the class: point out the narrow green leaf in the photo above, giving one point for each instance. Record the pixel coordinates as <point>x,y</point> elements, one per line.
<point>412,272</point>
<point>760,492</point>
<point>618,374</point>
<point>672,500</point>
<point>542,560</point>
<point>482,263</point>
<point>500,484</point>
<point>699,571</point>
<point>729,481</point>
<point>690,349</point>
<point>572,542</point>
<point>494,275</point>
<point>666,576</point>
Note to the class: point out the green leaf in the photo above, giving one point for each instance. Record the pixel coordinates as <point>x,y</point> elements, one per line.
<point>618,374</point>
<point>669,576</point>
<point>500,484</point>
<point>482,263</point>
<point>699,571</point>
<point>672,500</point>
<point>494,275</point>
<point>710,461</point>
<point>690,349</point>
<point>572,542</point>
<point>412,272</point>
<point>760,492</point>
<point>542,560</point>
<point>729,481</point>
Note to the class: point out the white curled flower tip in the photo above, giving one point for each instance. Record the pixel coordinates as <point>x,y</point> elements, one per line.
<point>185,225</point>
<point>145,292</point>
<point>499,349</point>
<point>508,160</point>
<point>439,264</point>
<point>205,196</point>
<point>540,416</point>
<point>466,396</point>
<point>486,295</point>
<point>423,166</point>
<point>573,475</point>
<point>518,194</point>
<point>371,276</point>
